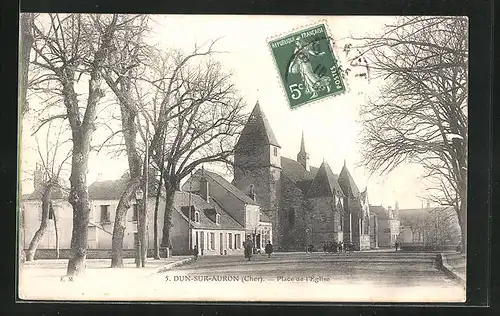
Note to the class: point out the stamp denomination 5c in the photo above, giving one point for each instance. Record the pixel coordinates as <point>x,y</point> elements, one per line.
<point>307,65</point>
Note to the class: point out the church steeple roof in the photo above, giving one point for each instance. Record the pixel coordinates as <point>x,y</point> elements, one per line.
<point>325,183</point>
<point>347,183</point>
<point>257,130</point>
<point>302,144</point>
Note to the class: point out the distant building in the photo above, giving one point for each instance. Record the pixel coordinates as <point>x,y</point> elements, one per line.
<point>428,225</point>
<point>32,208</point>
<point>388,225</point>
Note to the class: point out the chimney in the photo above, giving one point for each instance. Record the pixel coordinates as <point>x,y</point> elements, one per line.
<point>204,189</point>
<point>252,193</point>
<point>428,205</point>
<point>38,178</point>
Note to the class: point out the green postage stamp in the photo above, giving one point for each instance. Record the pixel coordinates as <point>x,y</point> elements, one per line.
<point>307,65</point>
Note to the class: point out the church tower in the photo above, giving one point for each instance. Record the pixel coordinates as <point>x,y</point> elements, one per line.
<point>257,165</point>
<point>303,156</point>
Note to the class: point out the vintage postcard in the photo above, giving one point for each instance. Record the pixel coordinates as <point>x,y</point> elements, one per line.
<point>242,158</point>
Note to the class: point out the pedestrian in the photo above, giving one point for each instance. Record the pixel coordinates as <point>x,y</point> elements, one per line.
<point>195,252</point>
<point>269,249</point>
<point>248,248</point>
<point>396,245</point>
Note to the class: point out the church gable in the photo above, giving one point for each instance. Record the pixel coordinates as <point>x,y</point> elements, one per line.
<point>325,183</point>
<point>347,183</point>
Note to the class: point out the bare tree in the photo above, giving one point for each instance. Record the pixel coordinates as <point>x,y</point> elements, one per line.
<point>121,75</point>
<point>421,113</point>
<point>196,117</point>
<point>47,181</point>
<point>25,43</point>
<point>69,48</point>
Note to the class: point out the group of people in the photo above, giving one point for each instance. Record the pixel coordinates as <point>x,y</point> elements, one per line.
<point>247,245</point>
<point>249,248</point>
<point>338,247</point>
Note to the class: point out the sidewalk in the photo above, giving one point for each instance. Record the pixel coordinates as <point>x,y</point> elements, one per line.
<point>44,279</point>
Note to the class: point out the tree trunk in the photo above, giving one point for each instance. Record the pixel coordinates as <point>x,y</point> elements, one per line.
<point>462,221</point>
<point>56,233</point>
<point>25,49</point>
<point>22,236</point>
<point>120,223</point>
<point>157,206</point>
<point>128,112</point>
<point>30,254</point>
<point>81,133</point>
<point>79,199</point>
<point>167,220</point>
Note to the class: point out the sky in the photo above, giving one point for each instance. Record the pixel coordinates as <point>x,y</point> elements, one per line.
<point>330,125</point>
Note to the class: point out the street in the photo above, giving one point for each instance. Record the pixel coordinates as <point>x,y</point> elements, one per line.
<point>317,277</point>
<point>358,276</point>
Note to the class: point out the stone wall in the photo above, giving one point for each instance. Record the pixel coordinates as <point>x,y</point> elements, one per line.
<point>323,222</point>
<point>292,216</point>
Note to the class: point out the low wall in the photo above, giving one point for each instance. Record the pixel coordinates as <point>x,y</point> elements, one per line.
<point>91,253</point>
<point>453,265</point>
<point>419,247</point>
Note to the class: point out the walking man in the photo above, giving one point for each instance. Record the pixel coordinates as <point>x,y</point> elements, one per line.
<point>269,249</point>
<point>248,248</point>
<point>195,252</point>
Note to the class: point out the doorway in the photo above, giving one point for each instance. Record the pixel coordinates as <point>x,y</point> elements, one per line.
<point>202,242</point>
<point>221,244</point>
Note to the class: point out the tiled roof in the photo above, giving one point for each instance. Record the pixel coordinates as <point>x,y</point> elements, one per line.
<point>182,202</point>
<point>412,213</point>
<point>295,171</point>
<point>381,212</point>
<point>113,189</point>
<point>257,130</point>
<point>347,183</point>
<point>57,194</point>
<point>325,183</point>
<point>227,186</point>
<point>107,190</point>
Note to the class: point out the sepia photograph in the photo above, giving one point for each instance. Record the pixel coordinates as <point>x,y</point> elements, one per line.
<point>242,158</point>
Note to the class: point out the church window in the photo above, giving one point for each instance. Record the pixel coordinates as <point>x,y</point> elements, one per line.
<point>275,151</point>
<point>291,216</point>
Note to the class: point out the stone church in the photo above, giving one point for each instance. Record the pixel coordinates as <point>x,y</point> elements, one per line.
<point>307,205</point>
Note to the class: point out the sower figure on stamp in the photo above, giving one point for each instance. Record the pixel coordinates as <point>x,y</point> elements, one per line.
<point>269,249</point>
<point>301,65</point>
<point>248,248</point>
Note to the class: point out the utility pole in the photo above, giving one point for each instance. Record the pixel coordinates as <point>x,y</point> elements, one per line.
<point>144,217</point>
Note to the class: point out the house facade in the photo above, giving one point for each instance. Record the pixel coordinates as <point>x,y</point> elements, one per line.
<point>242,208</point>
<point>211,228</point>
<point>388,226</point>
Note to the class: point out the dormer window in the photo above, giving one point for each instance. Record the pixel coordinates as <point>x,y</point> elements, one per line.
<point>217,219</point>
<point>197,216</point>
<point>105,216</point>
